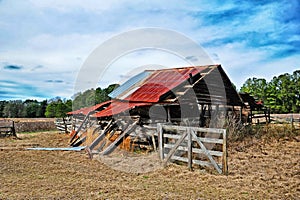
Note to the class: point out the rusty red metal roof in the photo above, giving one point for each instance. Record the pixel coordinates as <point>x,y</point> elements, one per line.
<point>161,82</point>
<point>85,111</point>
<point>155,86</point>
<point>117,107</point>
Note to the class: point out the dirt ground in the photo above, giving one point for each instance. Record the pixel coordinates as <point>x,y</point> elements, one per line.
<point>257,170</point>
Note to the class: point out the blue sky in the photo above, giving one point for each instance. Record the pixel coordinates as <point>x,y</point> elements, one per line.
<point>43,44</point>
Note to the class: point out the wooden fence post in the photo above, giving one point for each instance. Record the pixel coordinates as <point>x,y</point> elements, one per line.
<point>13,129</point>
<point>160,141</point>
<point>225,155</point>
<point>189,146</point>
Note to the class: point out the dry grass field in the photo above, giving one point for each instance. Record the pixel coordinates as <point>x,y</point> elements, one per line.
<point>258,169</point>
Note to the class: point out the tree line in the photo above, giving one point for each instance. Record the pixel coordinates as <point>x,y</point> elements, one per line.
<point>281,94</point>
<point>55,107</point>
<point>18,108</point>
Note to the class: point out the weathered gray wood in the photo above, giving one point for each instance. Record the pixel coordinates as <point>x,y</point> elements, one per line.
<point>81,125</point>
<point>198,162</point>
<point>189,148</point>
<point>175,148</point>
<point>154,142</point>
<point>160,141</point>
<point>225,155</point>
<point>183,128</point>
<point>206,152</point>
<point>204,163</point>
<point>113,145</point>
<point>8,127</point>
<point>206,140</point>
<point>184,131</point>
<point>195,150</point>
<point>168,114</point>
<point>101,136</point>
<point>188,87</point>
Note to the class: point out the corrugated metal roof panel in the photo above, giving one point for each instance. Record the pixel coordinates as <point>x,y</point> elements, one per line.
<point>130,85</point>
<point>161,82</point>
<point>117,107</point>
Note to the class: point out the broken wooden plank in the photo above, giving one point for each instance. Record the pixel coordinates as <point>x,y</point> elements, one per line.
<point>57,148</point>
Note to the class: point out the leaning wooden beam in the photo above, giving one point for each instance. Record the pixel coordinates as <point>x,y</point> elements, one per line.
<point>101,136</point>
<point>113,145</point>
<point>108,128</point>
<point>78,142</point>
<point>81,125</point>
<point>175,148</point>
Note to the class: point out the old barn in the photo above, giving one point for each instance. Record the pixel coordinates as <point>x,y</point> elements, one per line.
<point>196,96</point>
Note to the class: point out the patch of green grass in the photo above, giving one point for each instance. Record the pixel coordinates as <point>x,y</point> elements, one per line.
<point>145,177</point>
<point>245,193</point>
<point>40,177</point>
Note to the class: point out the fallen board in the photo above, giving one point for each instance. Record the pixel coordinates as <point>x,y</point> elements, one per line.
<point>57,149</point>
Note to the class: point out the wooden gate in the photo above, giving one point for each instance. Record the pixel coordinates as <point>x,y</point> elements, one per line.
<point>200,146</point>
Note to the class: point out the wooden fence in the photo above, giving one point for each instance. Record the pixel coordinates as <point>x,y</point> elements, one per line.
<point>63,124</point>
<point>200,146</point>
<point>7,127</point>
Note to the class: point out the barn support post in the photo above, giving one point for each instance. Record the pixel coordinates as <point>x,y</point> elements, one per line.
<point>202,116</point>
<point>241,114</point>
<point>168,114</point>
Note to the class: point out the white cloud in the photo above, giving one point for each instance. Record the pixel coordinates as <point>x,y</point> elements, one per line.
<point>247,38</point>
<point>67,5</point>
